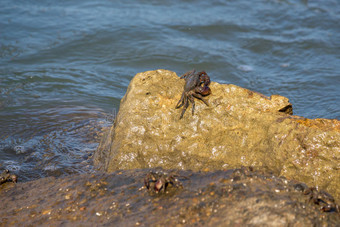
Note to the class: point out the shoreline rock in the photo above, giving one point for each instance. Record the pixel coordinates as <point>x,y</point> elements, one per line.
<point>239,128</point>
<point>232,197</point>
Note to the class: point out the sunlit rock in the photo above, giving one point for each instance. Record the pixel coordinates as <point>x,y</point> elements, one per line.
<point>239,128</point>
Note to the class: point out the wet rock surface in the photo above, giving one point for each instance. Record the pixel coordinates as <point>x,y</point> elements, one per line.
<point>238,128</point>
<point>220,198</point>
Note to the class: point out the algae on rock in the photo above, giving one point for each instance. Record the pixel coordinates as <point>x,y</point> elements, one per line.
<point>239,128</point>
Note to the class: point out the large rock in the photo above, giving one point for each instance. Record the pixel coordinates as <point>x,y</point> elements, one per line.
<point>239,128</point>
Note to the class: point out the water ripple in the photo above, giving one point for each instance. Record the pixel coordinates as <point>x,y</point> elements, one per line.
<point>65,65</point>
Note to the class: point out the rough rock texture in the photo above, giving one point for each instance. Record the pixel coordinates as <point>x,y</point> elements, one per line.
<point>238,197</point>
<point>239,128</point>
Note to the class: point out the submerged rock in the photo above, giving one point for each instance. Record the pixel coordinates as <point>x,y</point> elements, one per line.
<point>6,176</point>
<point>239,128</point>
<point>220,198</point>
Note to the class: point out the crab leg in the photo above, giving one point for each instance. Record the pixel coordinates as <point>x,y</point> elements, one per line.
<point>186,104</point>
<point>181,100</point>
<point>187,74</point>
<point>191,98</point>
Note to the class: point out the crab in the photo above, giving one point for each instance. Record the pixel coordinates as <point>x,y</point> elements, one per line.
<point>323,199</point>
<point>5,176</point>
<point>196,86</point>
<point>160,181</point>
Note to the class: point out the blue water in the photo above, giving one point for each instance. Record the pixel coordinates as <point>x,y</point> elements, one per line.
<point>65,65</point>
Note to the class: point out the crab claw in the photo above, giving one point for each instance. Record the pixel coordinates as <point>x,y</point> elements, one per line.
<point>203,90</point>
